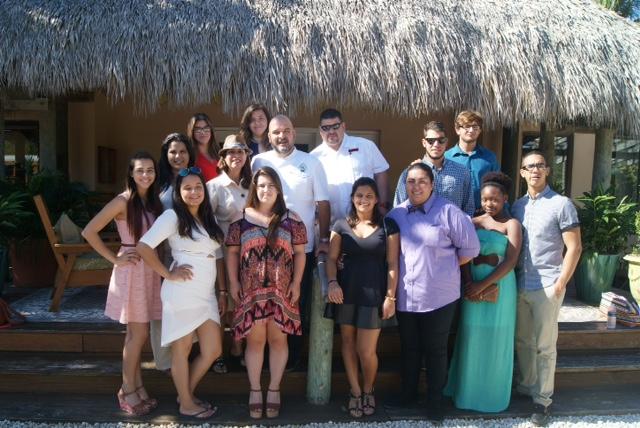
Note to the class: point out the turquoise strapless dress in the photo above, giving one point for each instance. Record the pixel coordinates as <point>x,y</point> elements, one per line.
<point>482,366</point>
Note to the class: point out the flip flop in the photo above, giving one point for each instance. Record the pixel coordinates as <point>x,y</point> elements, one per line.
<point>203,414</point>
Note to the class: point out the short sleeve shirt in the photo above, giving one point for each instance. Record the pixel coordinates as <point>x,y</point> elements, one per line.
<point>431,241</point>
<point>544,219</point>
<point>452,181</point>
<point>357,157</point>
<point>304,183</point>
<point>478,162</point>
<point>228,199</point>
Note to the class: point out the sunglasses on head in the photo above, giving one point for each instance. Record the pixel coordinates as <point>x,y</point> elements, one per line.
<point>191,170</point>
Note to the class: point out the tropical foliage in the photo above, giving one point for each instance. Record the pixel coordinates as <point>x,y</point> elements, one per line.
<point>606,222</point>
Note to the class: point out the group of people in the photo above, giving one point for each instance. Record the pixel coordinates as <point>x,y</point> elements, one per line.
<point>235,232</point>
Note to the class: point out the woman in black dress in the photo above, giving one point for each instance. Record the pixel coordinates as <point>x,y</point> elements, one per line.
<point>361,294</point>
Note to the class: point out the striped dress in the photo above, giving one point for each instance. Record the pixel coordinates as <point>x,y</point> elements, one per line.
<point>134,290</point>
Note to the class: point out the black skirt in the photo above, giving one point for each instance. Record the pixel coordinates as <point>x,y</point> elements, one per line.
<point>367,317</point>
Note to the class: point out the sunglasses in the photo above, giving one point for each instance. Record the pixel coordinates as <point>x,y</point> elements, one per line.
<point>432,141</point>
<point>191,170</point>
<point>333,127</point>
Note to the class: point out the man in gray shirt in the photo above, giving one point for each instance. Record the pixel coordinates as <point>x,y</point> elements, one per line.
<point>550,223</point>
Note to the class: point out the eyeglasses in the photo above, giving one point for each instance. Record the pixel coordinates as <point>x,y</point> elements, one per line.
<point>205,130</point>
<point>191,170</point>
<point>469,127</point>
<point>532,166</point>
<point>432,141</point>
<point>333,127</point>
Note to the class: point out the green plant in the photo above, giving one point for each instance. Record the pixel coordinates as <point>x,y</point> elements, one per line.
<point>606,222</point>
<point>12,215</point>
<point>60,196</point>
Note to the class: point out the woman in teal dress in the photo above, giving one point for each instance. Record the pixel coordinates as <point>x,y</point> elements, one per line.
<point>482,365</point>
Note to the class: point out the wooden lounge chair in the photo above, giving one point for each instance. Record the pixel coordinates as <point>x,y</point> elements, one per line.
<point>78,264</point>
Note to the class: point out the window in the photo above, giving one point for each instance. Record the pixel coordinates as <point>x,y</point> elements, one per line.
<point>21,150</point>
<point>560,177</point>
<point>624,168</point>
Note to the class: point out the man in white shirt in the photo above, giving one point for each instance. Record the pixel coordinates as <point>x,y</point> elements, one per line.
<point>345,159</point>
<point>305,189</point>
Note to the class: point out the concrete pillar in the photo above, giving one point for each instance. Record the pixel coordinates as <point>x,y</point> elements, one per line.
<point>3,173</point>
<point>320,341</point>
<point>602,159</point>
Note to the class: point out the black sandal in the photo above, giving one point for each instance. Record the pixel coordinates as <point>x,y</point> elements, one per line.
<point>368,403</point>
<point>355,405</point>
<point>219,366</point>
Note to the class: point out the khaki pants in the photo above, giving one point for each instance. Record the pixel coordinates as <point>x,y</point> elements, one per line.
<point>536,337</point>
<point>161,356</point>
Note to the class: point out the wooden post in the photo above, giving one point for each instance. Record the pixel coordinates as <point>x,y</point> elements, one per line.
<point>548,144</point>
<point>602,159</point>
<point>320,341</point>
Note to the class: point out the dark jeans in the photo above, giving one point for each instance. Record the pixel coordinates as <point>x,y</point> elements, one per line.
<point>428,333</point>
<point>296,342</point>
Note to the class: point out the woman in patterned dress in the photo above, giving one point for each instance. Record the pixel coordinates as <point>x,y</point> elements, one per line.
<point>134,290</point>
<point>265,262</point>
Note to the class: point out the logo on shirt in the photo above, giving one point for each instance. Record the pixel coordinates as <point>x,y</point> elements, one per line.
<point>302,168</point>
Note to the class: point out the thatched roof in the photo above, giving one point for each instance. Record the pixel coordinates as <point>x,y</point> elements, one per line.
<point>560,61</point>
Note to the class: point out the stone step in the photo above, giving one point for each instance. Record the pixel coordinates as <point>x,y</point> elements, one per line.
<point>69,373</point>
<point>108,338</point>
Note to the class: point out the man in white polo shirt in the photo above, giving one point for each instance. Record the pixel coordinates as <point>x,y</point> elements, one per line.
<point>305,189</point>
<point>345,159</point>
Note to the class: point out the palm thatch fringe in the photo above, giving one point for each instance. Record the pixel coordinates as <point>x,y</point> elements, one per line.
<point>560,62</point>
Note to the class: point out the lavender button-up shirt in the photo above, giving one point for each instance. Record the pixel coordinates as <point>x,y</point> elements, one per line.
<point>430,244</point>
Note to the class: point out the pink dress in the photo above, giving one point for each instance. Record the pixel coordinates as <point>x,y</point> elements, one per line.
<point>134,290</point>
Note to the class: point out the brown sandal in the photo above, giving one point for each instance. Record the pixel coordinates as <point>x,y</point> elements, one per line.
<point>354,406</point>
<point>272,409</point>
<point>368,403</point>
<point>255,409</point>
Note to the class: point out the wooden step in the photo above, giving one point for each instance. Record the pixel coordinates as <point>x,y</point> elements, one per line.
<point>65,372</point>
<point>108,338</point>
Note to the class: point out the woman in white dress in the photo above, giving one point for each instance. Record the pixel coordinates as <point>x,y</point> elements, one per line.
<point>189,306</point>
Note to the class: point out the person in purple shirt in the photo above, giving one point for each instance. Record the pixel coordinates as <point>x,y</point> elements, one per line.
<point>436,237</point>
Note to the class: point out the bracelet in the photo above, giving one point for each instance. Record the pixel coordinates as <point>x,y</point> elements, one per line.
<point>393,299</point>
<point>332,280</point>
<point>222,292</point>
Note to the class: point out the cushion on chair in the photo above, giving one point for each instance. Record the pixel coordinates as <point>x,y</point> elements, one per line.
<point>92,261</point>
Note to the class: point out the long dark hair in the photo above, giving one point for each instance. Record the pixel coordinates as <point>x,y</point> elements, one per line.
<point>279,208</point>
<point>137,208</point>
<point>165,172</point>
<point>352,217</point>
<point>245,172</point>
<point>212,146</point>
<point>245,131</point>
<point>186,221</point>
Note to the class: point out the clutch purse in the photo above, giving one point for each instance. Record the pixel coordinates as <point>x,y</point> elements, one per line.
<point>490,294</point>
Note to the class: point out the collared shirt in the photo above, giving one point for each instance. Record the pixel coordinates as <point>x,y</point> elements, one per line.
<point>544,219</point>
<point>304,183</point>
<point>356,157</point>
<point>228,199</point>
<point>452,181</point>
<point>430,244</point>
<point>478,162</point>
